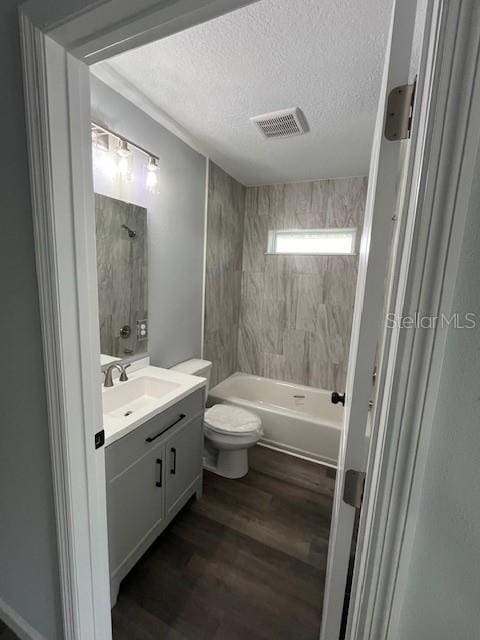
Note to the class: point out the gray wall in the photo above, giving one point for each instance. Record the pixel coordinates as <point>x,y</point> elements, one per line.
<point>122,268</point>
<point>176,217</point>
<point>296,311</point>
<point>28,555</point>
<point>443,583</point>
<point>225,215</point>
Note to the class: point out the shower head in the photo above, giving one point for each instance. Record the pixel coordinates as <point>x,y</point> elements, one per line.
<point>131,232</point>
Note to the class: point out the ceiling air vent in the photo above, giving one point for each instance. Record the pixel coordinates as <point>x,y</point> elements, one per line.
<point>281,124</point>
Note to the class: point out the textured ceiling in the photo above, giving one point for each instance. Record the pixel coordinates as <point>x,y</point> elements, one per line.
<point>324,56</point>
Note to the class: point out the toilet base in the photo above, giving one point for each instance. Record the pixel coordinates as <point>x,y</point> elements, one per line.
<point>228,464</point>
<point>232,464</point>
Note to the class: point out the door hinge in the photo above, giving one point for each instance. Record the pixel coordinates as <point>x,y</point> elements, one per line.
<point>99,439</point>
<point>398,120</point>
<point>353,488</point>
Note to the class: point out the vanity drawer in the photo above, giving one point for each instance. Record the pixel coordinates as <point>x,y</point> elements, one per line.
<point>146,437</point>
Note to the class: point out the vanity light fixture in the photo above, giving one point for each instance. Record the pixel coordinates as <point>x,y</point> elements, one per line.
<point>106,163</point>
<point>152,164</point>
<point>152,177</point>
<point>123,149</point>
<point>124,169</point>
<point>124,163</point>
<point>118,162</point>
<point>103,160</point>
<point>100,139</point>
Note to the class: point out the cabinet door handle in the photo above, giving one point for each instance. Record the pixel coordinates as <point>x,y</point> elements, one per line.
<point>160,466</point>
<point>173,451</point>
<point>152,438</point>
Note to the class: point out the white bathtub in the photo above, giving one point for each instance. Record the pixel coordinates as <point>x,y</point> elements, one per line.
<point>297,419</point>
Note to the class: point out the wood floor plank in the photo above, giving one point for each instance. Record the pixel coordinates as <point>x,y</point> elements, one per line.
<point>130,621</point>
<point>247,561</point>
<point>295,471</point>
<point>308,499</point>
<point>278,526</point>
<point>243,587</point>
<point>249,493</point>
<point>214,541</point>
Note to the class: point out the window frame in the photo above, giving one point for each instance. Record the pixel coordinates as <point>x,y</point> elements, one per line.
<point>273,235</point>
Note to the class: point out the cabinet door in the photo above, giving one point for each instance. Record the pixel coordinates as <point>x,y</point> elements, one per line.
<point>183,459</point>
<point>135,502</point>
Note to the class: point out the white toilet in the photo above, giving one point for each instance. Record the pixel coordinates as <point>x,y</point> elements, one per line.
<point>229,431</point>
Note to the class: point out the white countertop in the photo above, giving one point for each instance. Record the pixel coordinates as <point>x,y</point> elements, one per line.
<point>117,427</point>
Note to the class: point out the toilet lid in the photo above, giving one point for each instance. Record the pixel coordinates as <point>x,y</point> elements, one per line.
<point>226,418</point>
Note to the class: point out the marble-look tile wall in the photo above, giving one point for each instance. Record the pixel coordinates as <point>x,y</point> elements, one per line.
<point>122,274</point>
<point>296,311</point>
<point>225,218</point>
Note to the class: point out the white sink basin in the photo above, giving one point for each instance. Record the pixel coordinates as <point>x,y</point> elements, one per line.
<point>148,391</point>
<point>136,395</point>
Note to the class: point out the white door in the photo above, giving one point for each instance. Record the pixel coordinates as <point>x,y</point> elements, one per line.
<point>386,167</point>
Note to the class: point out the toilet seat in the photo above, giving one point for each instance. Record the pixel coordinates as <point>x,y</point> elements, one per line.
<point>231,420</point>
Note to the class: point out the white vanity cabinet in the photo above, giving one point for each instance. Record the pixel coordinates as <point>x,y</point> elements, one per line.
<point>183,459</point>
<point>151,473</point>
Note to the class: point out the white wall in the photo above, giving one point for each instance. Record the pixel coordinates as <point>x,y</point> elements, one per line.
<point>176,217</point>
<point>29,582</point>
<point>442,595</point>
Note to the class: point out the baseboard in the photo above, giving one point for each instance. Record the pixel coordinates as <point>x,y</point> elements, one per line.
<point>17,624</point>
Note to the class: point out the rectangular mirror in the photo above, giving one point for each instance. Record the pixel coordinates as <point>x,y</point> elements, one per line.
<point>122,265</point>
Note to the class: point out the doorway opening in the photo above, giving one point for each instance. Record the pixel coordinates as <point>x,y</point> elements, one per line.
<point>296,314</point>
<point>281,210</point>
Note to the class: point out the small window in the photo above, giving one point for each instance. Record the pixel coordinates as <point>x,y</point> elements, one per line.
<point>321,242</point>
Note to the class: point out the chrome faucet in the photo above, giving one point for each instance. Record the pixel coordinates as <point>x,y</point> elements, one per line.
<point>109,371</point>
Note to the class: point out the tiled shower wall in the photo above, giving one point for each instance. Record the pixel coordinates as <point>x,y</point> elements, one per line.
<point>225,217</point>
<point>296,311</point>
<point>283,317</point>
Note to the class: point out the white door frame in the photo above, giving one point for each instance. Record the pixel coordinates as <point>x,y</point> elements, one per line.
<point>390,160</point>
<point>57,48</point>
<point>57,96</point>
<point>445,149</point>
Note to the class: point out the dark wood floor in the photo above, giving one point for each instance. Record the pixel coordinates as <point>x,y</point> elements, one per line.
<point>247,561</point>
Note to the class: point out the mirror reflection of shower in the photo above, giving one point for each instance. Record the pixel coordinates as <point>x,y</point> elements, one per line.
<point>122,267</point>
<point>131,232</point>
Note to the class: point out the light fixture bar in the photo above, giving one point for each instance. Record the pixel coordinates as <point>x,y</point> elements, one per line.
<point>106,130</point>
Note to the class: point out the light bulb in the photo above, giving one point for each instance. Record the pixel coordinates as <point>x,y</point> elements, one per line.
<point>152,177</point>
<point>123,168</point>
<point>108,165</point>
<point>104,162</point>
<point>152,181</point>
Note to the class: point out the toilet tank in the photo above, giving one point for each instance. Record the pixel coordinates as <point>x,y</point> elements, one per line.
<point>196,367</point>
